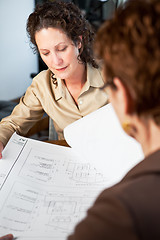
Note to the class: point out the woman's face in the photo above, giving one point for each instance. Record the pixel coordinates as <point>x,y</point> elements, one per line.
<point>58,52</point>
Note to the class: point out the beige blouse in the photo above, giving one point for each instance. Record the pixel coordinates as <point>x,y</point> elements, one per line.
<point>45,96</point>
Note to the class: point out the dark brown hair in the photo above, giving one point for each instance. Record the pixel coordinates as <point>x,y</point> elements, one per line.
<point>67,17</point>
<point>129,45</point>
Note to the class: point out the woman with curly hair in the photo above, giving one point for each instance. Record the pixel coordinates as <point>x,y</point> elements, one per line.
<point>70,88</point>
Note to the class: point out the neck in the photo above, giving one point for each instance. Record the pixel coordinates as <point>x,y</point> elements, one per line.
<point>79,78</point>
<point>76,83</point>
<point>148,135</point>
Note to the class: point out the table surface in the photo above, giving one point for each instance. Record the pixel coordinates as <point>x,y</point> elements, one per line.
<point>59,142</point>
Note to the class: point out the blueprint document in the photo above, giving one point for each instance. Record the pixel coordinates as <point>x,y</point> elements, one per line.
<point>45,189</point>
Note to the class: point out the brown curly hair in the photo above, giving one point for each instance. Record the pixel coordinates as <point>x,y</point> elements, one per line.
<point>129,45</point>
<point>67,17</point>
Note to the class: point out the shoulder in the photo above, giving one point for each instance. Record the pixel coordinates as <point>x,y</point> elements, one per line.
<point>126,209</point>
<point>44,75</point>
<point>94,75</point>
<point>108,218</point>
<point>138,193</point>
<point>41,84</point>
<point>93,69</point>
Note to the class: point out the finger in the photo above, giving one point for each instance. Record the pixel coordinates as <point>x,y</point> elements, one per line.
<point>1,149</point>
<point>7,237</point>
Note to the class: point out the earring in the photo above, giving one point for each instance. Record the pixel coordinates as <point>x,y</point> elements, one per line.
<point>127,127</point>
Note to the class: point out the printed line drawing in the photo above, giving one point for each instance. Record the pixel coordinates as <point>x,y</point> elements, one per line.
<point>49,169</point>
<point>47,192</point>
<point>28,210</point>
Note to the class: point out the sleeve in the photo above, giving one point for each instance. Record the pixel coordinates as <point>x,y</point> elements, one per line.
<point>24,115</point>
<point>107,219</point>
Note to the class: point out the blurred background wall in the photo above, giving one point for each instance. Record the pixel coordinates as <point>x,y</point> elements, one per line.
<point>17,60</point>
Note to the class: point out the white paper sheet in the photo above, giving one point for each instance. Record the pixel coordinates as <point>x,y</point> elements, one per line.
<point>99,139</point>
<point>47,191</point>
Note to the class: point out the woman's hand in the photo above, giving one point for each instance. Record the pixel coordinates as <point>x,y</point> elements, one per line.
<point>1,149</point>
<point>7,237</point>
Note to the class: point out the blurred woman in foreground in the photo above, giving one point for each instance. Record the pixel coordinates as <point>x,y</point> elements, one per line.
<point>129,45</point>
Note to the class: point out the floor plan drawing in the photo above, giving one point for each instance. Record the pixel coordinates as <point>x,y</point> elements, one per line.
<point>51,169</point>
<point>47,192</point>
<point>28,211</point>
<point>46,189</point>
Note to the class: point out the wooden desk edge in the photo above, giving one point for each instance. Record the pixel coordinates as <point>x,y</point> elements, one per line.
<point>59,142</point>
